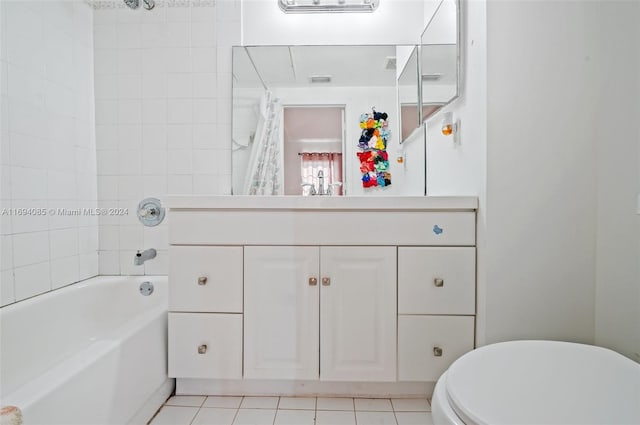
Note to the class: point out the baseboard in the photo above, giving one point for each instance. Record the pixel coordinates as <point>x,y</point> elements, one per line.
<point>186,386</point>
<point>151,406</point>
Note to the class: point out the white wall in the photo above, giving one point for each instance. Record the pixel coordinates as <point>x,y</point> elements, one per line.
<point>163,100</point>
<point>618,184</point>
<point>47,154</point>
<point>394,22</point>
<point>459,168</point>
<point>542,79</point>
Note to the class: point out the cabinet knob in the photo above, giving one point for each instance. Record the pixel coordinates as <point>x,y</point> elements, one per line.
<point>202,280</point>
<point>326,281</point>
<point>202,349</point>
<point>313,281</point>
<point>437,351</point>
<point>439,283</point>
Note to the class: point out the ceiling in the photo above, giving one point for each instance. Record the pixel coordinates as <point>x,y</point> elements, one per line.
<point>292,66</point>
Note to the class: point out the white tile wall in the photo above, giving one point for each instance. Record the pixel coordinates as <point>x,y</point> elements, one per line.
<point>48,145</point>
<point>163,113</point>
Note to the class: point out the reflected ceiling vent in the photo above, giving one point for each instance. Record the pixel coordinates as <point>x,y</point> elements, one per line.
<point>431,77</point>
<point>327,6</point>
<point>390,62</point>
<point>320,79</point>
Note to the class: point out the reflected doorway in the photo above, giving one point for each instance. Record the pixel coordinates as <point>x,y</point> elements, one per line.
<point>313,141</point>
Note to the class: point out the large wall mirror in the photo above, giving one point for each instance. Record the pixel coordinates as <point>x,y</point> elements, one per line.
<point>296,116</point>
<point>440,58</point>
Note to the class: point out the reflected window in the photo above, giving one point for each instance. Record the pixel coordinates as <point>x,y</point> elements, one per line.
<point>330,163</point>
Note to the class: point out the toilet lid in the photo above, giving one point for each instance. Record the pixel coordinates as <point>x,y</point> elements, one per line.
<point>544,382</point>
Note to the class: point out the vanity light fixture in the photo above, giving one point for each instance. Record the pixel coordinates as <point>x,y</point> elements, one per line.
<point>449,127</point>
<point>324,6</point>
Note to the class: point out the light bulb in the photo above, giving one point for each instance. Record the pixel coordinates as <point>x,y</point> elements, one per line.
<point>448,126</point>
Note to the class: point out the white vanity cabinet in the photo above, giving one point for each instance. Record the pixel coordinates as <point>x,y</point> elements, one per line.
<point>320,294</point>
<point>326,312</point>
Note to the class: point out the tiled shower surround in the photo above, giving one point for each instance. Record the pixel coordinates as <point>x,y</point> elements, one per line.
<point>146,93</point>
<point>163,115</point>
<point>47,151</point>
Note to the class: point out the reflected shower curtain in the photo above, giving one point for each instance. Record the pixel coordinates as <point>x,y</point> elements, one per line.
<point>264,173</point>
<point>329,162</point>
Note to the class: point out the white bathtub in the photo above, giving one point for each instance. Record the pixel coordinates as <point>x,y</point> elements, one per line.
<point>91,353</point>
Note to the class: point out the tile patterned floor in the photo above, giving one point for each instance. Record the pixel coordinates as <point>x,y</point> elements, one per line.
<point>201,410</point>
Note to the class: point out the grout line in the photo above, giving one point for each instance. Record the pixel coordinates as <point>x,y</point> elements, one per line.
<point>276,414</point>
<point>237,411</point>
<point>196,415</point>
<point>394,414</point>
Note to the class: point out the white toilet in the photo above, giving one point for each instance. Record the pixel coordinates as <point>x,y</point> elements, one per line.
<point>538,382</point>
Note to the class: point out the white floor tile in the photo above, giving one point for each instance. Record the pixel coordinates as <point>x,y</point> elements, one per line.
<point>414,418</point>
<point>214,416</point>
<point>410,405</point>
<point>175,415</point>
<point>330,417</point>
<point>186,400</point>
<point>295,417</point>
<point>297,403</point>
<point>373,404</point>
<point>375,418</point>
<point>334,403</point>
<point>222,401</point>
<point>255,417</point>
<point>259,403</point>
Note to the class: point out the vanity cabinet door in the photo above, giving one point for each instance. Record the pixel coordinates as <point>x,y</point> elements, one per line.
<point>358,314</point>
<point>281,328</point>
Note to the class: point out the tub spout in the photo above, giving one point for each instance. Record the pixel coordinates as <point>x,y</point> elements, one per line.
<point>143,256</point>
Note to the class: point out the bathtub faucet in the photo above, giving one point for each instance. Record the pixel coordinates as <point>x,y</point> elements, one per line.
<point>143,256</point>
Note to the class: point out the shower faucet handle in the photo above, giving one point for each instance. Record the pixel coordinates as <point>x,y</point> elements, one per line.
<point>150,212</point>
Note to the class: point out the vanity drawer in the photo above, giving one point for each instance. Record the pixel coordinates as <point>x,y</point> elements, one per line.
<point>205,279</point>
<point>205,345</point>
<point>436,280</point>
<point>427,345</point>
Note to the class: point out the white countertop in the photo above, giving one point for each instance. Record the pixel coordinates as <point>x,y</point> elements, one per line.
<point>390,203</point>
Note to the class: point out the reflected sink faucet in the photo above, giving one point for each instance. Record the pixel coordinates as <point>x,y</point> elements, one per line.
<point>320,190</point>
<point>143,256</point>
<point>320,182</point>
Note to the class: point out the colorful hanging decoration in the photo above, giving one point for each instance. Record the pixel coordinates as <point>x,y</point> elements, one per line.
<point>374,160</point>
